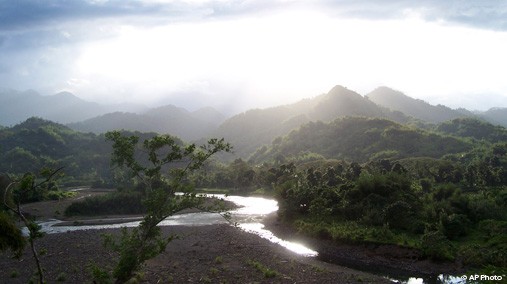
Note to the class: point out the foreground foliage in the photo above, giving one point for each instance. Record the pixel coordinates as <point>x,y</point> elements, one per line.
<point>158,183</point>
<point>15,193</point>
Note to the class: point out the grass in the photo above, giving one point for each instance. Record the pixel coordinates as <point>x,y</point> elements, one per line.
<point>268,273</point>
<point>214,271</point>
<point>219,260</point>
<point>61,277</point>
<point>484,243</point>
<point>353,232</point>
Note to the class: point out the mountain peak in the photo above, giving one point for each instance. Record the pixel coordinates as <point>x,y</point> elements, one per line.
<point>339,89</point>
<point>387,92</point>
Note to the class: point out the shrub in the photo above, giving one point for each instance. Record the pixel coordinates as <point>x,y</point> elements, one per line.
<point>398,215</point>
<point>61,277</point>
<point>125,202</point>
<point>436,246</point>
<point>455,225</point>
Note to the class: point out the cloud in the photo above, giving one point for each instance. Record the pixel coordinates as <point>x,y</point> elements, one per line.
<point>28,14</point>
<point>143,48</point>
<point>485,14</point>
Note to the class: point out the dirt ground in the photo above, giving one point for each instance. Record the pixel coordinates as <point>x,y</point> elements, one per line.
<point>208,254</point>
<point>203,254</point>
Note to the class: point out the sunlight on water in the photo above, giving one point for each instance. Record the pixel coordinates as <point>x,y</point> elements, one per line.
<point>253,205</point>
<point>258,229</point>
<point>248,216</point>
<point>189,219</point>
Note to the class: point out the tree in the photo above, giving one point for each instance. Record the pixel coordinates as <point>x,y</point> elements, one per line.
<point>21,188</point>
<point>160,167</point>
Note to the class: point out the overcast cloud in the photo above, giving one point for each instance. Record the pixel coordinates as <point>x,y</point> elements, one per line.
<point>254,53</point>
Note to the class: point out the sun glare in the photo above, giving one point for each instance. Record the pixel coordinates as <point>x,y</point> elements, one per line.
<point>281,57</point>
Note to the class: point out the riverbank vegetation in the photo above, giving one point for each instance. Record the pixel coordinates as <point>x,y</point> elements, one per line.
<point>441,191</point>
<point>450,206</point>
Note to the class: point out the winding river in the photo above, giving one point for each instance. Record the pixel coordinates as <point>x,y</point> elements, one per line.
<point>248,217</point>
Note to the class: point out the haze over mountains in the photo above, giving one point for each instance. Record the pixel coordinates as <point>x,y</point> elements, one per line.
<point>64,107</point>
<point>247,131</point>
<point>167,119</point>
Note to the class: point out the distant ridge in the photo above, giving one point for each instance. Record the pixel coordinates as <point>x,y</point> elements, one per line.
<point>247,131</point>
<point>397,101</point>
<point>62,107</point>
<point>496,115</point>
<point>168,119</point>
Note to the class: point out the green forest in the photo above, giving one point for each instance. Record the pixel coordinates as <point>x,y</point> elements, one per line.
<point>440,189</point>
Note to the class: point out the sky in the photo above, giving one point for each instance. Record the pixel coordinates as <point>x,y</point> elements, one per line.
<point>242,54</point>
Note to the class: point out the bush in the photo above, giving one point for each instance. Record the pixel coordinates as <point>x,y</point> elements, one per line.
<point>455,225</point>
<point>11,237</point>
<point>398,215</point>
<point>436,246</point>
<point>127,202</point>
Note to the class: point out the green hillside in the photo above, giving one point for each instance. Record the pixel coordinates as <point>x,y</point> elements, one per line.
<point>361,139</point>
<point>473,128</point>
<point>38,143</point>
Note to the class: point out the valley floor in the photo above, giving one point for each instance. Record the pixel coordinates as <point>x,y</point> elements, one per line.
<point>204,254</point>
<point>212,254</point>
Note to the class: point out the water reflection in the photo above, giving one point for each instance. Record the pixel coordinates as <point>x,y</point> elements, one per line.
<point>189,219</point>
<point>251,213</point>
<point>258,229</point>
<point>248,217</point>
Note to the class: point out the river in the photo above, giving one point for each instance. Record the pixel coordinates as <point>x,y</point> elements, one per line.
<point>248,217</point>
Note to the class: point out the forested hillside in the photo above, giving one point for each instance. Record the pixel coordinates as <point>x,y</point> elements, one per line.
<point>38,143</point>
<point>360,139</point>
<point>473,128</point>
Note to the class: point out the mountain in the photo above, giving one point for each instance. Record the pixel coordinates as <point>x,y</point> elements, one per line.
<point>210,115</point>
<point>168,119</point>
<point>249,130</point>
<point>340,101</point>
<point>397,101</point>
<point>63,107</point>
<point>495,116</point>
